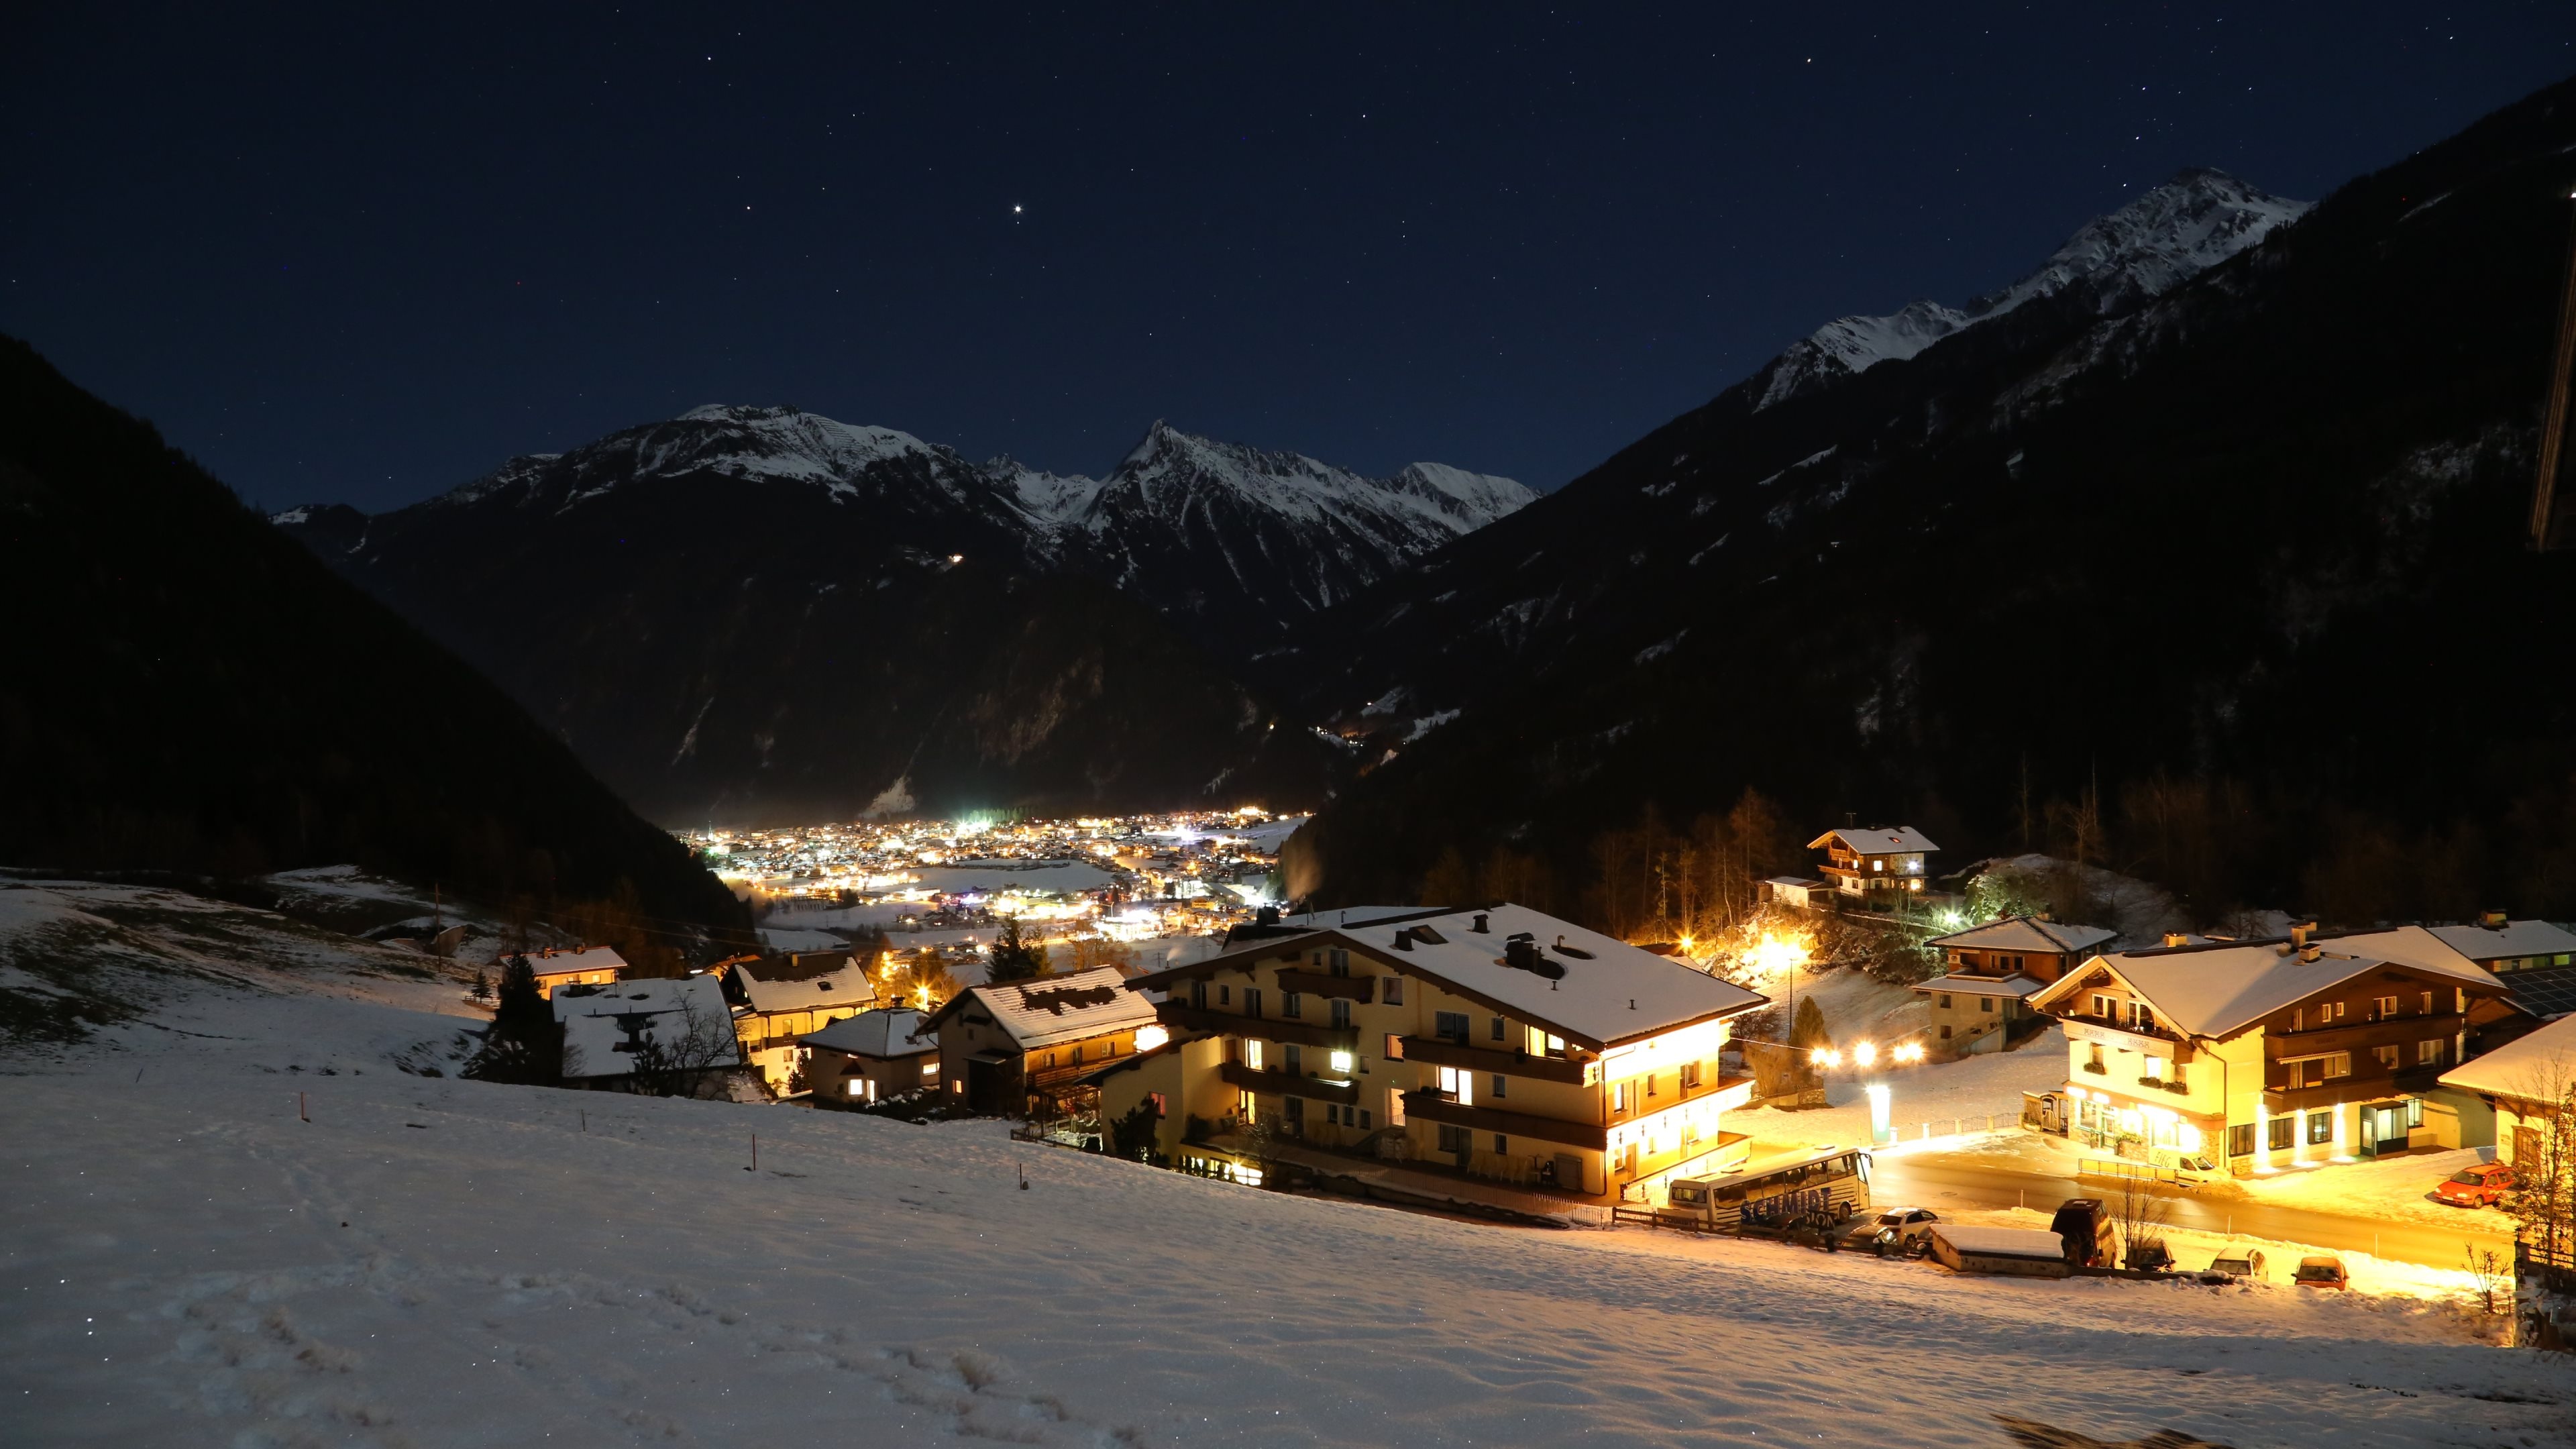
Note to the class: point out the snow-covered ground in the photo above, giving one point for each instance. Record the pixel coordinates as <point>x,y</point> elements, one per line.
<point>1939,1094</point>
<point>431,1261</point>
<point>2397,1188</point>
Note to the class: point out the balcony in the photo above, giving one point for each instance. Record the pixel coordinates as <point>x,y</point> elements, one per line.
<point>1641,1107</point>
<point>1236,1074</point>
<point>1430,1106</point>
<point>1442,1052</point>
<point>2358,1036</point>
<point>2154,1041</point>
<point>1349,988</point>
<point>1182,1016</point>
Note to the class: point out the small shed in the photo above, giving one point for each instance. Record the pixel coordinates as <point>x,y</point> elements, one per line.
<point>2020,1252</point>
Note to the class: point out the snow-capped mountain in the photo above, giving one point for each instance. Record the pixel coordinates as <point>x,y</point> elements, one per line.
<point>1245,541</point>
<point>2112,264</point>
<point>760,607</point>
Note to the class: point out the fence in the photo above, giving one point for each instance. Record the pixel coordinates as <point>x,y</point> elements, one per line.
<point>1903,1132</point>
<point>2127,1171</point>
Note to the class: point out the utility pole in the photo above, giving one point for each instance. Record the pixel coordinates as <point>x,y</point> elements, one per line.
<point>2549,510</point>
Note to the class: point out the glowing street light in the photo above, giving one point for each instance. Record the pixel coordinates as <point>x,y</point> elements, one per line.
<point>1864,1055</point>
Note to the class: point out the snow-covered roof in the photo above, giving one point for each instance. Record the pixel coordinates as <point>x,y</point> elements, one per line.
<point>1611,992</point>
<point>1876,840</point>
<point>560,962</point>
<point>2024,933</point>
<point>2535,1066</point>
<point>887,1031</point>
<point>1051,1009</point>
<point>2217,991</point>
<point>2417,946</point>
<point>2015,985</point>
<point>2513,938</point>
<point>596,1022</point>
<point>845,988</point>
<point>2002,1242</point>
<point>1356,916</point>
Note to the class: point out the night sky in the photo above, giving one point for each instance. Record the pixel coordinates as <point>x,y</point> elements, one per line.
<point>350,254</point>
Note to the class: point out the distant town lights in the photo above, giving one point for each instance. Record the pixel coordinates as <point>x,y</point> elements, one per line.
<point>1865,1054</point>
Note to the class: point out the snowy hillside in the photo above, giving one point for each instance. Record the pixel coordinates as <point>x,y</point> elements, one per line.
<point>2145,249</point>
<point>435,1261</point>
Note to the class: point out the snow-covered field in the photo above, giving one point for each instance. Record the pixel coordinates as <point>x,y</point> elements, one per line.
<point>431,1261</point>
<point>2398,1188</point>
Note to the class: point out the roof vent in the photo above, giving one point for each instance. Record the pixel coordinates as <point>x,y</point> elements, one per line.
<point>1404,940</point>
<point>2174,938</point>
<point>2312,953</point>
<point>1480,927</point>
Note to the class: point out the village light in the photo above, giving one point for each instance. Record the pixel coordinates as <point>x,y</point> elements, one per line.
<point>1864,1054</point>
<point>1826,1057</point>
<point>1150,1037</point>
<point>1908,1054</point>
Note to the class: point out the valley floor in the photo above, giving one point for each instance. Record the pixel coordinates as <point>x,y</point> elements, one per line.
<point>431,1261</point>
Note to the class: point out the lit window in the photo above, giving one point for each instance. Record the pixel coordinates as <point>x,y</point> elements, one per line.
<point>1342,1064</point>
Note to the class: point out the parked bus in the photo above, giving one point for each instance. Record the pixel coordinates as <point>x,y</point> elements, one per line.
<point>1820,1186</point>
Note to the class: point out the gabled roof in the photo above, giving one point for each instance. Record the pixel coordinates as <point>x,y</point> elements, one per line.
<point>2513,938</point>
<point>2217,991</point>
<point>560,960</point>
<point>1046,1010</point>
<point>2024,933</point>
<point>1876,840</point>
<point>888,1031</point>
<point>1610,991</point>
<point>2416,946</point>
<point>2015,985</point>
<point>846,988</point>
<point>2534,1066</point>
<point>594,1022</point>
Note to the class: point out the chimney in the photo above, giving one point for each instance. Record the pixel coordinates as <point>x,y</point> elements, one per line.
<point>1404,940</point>
<point>2174,938</point>
<point>2299,934</point>
<point>2492,920</point>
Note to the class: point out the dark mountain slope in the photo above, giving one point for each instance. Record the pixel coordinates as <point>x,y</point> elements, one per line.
<point>760,615</point>
<point>189,690</point>
<point>2242,568</point>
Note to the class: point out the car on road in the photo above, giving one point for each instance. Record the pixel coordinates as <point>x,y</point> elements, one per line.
<point>2322,1271</point>
<point>2481,1185</point>
<point>1896,1230</point>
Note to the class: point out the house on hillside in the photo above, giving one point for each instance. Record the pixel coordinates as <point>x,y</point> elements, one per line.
<point>682,1030</point>
<point>1020,1048</point>
<point>887,1052</point>
<point>558,967</point>
<point>1501,1043</point>
<point>1981,1001</point>
<point>772,1015</point>
<point>1874,867</point>
<point>2271,1054</point>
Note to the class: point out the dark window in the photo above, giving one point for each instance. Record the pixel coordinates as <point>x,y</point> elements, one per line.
<point>1292,1003</point>
<point>2280,1138</point>
<point>1943,1001</point>
<point>1501,1143</point>
<point>1341,963</point>
<point>1296,1059</point>
<point>1498,1091</point>
<point>2240,1140</point>
<point>1452,1138</point>
<point>1198,993</point>
<point>1394,992</point>
<point>2320,1128</point>
<point>1364,1119</point>
<point>1341,1012</point>
<point>1225,996</point>
<point>1450,1024</point>
<point>1251,1001</point>
<point>1945,1031</point>
<point>1986,1004</point>
<point>1498,1028</point>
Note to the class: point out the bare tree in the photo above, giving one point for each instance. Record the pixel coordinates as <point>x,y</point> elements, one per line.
<point>2142,1216</point>
<point>2492,1274</point>
<point>2543,1201</point>
<point>681,1051</point>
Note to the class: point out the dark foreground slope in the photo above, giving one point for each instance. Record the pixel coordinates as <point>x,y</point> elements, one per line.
<point>2230,589</point>
<point>190,690</point>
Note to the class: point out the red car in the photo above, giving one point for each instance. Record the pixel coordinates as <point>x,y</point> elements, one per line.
<point>2479,1186</point>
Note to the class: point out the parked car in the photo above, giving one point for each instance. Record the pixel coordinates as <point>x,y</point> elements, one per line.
<point>2245,1264</point>
<point>2322,1271</point>
<point>2482,1185</point>
<point>2190,1169</point>
<point>1897,1230</point>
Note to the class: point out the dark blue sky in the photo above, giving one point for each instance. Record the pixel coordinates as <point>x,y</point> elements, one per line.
<point>347,253</point>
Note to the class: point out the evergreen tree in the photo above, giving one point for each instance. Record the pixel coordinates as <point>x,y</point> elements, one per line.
<point>1015,958</point>
<point>523,1044</point>
<point>482,986</point>
<point>1807,1030</point>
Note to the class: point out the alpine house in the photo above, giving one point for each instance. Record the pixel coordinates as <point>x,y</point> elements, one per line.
<point>1496,1042</point>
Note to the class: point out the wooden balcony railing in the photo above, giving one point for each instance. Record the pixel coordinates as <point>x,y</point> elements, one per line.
<point>1430,1106</point>
<point>1236,1074</point>
<point>1183,1016</point>
<point>1349,988</point>
<point>1442,1052</point>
